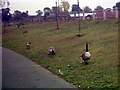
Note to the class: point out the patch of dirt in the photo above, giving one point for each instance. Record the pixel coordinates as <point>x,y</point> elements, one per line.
<point>55,30</point>
<point>71,38</point>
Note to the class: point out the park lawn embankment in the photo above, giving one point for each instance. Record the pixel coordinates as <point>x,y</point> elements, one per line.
<point>102,70</point>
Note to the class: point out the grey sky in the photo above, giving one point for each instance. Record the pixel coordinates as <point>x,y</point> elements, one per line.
<point>33,5</point>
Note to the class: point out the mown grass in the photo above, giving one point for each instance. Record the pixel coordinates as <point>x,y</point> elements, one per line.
<point>102,71</point>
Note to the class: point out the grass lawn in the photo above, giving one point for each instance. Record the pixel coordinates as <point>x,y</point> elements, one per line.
<point>102,70</point>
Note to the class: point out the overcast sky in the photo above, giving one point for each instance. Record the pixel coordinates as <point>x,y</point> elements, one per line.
<point>33,5</point>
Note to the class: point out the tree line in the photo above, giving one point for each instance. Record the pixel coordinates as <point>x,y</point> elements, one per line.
<point>61,9</point>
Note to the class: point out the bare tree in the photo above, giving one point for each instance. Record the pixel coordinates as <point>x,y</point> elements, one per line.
<point>65,6</point>
<point>2,3</point>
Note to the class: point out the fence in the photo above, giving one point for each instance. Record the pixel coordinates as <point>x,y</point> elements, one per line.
<point>104,14</point>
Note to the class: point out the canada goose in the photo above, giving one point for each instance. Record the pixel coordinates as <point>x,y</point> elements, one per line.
<point>51,51</point>
<point>86,55</point>
<point>25,32</point>
<point>28,45</point>
<point>18,25</point>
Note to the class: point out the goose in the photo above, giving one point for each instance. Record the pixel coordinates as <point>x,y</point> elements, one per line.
<point>18,25</point>
<point>51,51</point>
<point>28,45</point>
<point>25,32</point>
<point>86,55</point>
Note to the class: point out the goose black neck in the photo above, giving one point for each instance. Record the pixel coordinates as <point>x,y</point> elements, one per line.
<point>86,47</point>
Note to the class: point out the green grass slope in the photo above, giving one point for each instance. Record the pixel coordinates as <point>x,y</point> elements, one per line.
<point>102,70</point>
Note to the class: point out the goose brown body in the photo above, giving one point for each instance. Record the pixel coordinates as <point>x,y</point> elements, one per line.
<point>86,55</point>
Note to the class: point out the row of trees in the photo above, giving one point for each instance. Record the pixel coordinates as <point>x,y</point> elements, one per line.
<point>18,15</point>
<point>61,9</point>
<point>64,7</point>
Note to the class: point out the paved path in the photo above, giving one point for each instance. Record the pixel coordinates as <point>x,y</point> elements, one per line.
<point>20,72</point>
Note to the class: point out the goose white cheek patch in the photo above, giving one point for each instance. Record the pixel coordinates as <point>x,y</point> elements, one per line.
<point>87,54</point>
